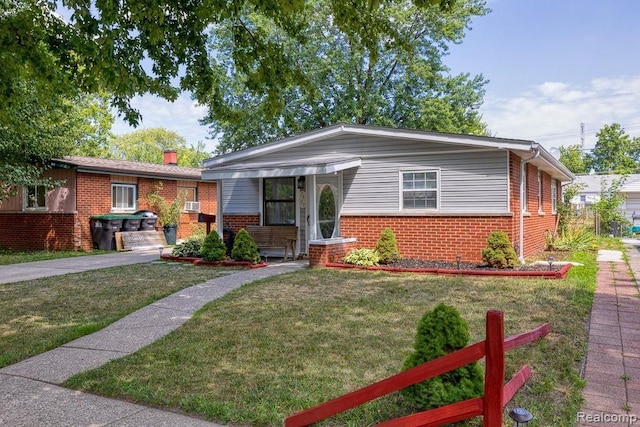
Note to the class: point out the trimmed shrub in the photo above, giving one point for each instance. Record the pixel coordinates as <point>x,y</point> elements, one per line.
<point>363,257</point>
<point>499,253</point>
<point>191,247</point>
<point>387,247</point>
<point>245,248</point>
<point>440,332</point>
<point>213,248</point>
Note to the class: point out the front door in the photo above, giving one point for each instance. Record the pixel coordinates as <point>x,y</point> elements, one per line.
<point>327,201</point>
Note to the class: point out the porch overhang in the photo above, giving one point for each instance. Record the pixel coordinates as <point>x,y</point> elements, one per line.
<point>267,169</point>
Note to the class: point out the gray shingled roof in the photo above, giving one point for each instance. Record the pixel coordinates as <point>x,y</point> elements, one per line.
<point>127,167</point>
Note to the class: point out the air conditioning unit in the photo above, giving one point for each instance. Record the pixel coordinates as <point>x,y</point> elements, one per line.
<point>192,206</point>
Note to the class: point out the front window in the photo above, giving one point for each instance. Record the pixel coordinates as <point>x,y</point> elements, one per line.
<point>419,190</point>
<point>554,196</point>
<point>123,197</point>
<point>279,199</point>
<point>35,197</point>
<point>190,193</point>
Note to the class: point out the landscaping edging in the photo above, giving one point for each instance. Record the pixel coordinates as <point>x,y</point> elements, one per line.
<point>200,261</point>
<point>555,274</point>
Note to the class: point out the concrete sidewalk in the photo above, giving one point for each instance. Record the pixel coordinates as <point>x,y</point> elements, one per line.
<point>612,371</point>
<point>55,267</point>
<point>29,394</point>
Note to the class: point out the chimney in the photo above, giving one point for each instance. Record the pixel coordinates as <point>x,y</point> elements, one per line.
<point>170,157</point>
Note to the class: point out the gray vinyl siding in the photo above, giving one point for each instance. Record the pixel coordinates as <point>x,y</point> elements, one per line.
<point>472,180</point>
<point>469,183</point>
<point>240,196</point>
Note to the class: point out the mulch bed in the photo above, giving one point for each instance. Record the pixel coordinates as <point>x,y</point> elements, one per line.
<point>409,265</point>
<point>200,261</point>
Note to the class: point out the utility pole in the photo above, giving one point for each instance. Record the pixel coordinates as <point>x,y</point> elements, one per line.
<point>582,135</point>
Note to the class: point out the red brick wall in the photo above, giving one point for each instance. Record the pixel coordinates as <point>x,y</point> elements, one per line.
<point>93,197</point>
<point>236,222</point>
<point>36,231</point>
<point>320,255</point>
<point>428,237</point>
<point>536,224</point>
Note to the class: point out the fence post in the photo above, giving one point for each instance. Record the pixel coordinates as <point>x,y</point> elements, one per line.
<point>494,371</point>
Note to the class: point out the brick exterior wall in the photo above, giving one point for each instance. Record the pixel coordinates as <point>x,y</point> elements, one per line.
<point>71,231</point>
<point>320,255</point>
<point>35,231</point>
<point>236,222</point>
<point>429,237</point>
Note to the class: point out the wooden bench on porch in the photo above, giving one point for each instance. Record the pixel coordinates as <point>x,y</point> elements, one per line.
<point>275,236</point>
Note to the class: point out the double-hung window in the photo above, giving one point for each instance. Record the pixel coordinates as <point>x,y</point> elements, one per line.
<point>123,197</point>
<point>35,197</point>
<point>279,196</point>
<point>554,196</point>
<point>419,190</point>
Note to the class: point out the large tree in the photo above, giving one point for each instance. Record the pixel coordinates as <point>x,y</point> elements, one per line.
<point>615,151</point>
<point>392,74</point>
<point>148,145</point>
<point>574,158</point>
<point>129,48</point>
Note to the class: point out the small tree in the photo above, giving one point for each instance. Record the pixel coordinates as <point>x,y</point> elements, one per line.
<point>440,332</point>
<point>245,248</point>
<point>387,247</point>
<point>499,253</point>
<point>213,248</point>
<point>609,208</point>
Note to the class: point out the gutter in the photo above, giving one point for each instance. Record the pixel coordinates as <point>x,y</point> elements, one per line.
<point>523,163</point>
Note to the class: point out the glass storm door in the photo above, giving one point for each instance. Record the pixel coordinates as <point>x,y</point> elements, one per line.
<point>327,206</point>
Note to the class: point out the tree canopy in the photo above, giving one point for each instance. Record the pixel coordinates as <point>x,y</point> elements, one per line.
<point>390,75</point>
<point>615,151</point>
<point>574,158</point>
<point>148,145</point>
<point>131,48</point>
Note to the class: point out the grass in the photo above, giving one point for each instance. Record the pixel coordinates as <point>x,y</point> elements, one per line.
<point>8,256</point>
<point>38,315</point>
<point>287,343</point>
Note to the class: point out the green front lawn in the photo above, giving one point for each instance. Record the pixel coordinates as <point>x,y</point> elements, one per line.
<point>38,315</point>
<point>287,343</point>
<point>8,256</point>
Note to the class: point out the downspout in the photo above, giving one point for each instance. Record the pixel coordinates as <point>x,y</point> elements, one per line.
<point>523,188</point>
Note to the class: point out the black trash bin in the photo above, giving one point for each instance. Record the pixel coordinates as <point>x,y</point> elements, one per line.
<point>131,222</point>
<point>148,219</point>
<point>103,231</point>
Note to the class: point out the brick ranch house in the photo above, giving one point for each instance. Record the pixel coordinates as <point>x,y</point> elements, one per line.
<point>441,194</point>
<point>58,219</point>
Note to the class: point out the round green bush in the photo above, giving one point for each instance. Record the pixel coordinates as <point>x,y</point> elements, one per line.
<point>499,252</point>
<point>440,332</point>
<point>191,247</point>
<point>245,248</point>
<point>363,257</point>
<point>387,247</point>
<point>213,248</point>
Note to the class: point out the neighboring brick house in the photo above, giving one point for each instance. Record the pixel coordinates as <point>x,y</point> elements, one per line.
<point>442,194</point>
<point>58,219</point>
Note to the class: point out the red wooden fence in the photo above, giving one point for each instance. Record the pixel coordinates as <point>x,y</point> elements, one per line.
<point>491,405</point>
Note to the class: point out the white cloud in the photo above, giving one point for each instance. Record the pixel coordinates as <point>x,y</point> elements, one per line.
<point>181,116</point>
<point>551,112</point>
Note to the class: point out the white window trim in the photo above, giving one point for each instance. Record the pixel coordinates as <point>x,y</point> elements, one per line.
<point>25,200</point>
<point>554,196</point>
<point>524,202</point>
<point>401,207</point>
<point>135,197</point>
<point>540,193</point>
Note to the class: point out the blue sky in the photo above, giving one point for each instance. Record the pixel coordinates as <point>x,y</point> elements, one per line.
<point>551,65</point>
